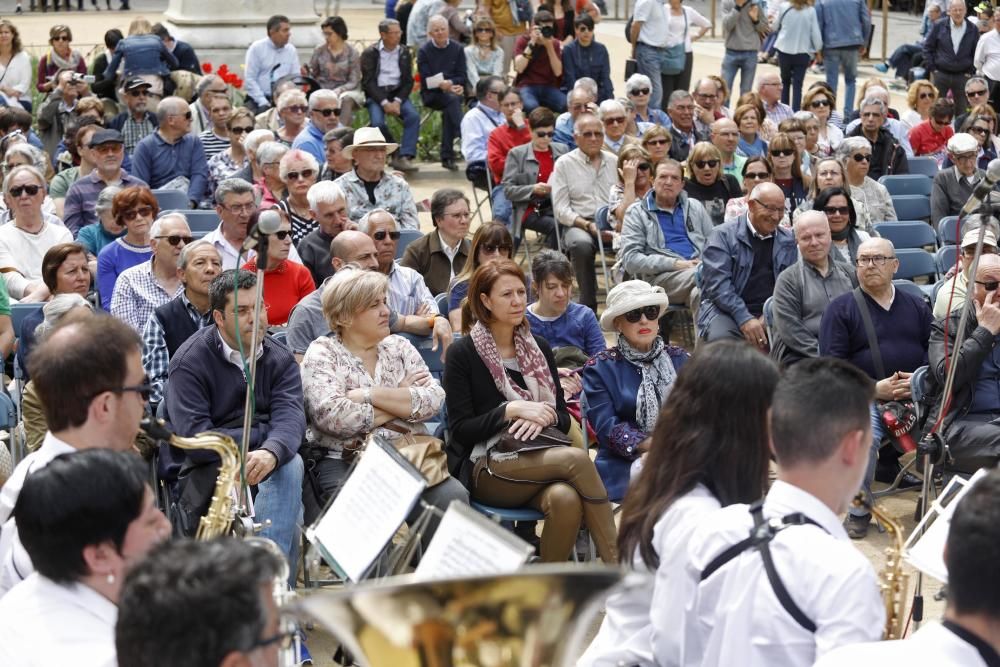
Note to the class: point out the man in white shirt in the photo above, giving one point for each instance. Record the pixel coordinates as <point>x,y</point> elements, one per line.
<point>267,60</point>
<point>408,293</point>
<point>477,125</point>
<point>817,592</point>
<point>89,376</point>
<point>987,60</point>
<point>970,633</point>
<point>234,202</point>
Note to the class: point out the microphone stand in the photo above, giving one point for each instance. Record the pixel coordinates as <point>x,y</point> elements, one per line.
<point>250,401</point>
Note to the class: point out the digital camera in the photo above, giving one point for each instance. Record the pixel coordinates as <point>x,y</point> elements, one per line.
<point>547,31</point>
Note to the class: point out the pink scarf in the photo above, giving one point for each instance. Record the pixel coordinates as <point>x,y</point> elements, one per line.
<point>530,360</point>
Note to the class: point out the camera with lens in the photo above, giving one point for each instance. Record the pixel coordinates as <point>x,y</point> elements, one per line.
<point>78,78</point>
<point>547,31</point>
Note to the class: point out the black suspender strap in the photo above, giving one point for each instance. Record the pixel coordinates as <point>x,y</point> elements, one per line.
<point>988,653</point>
<point>866,318</point>
<point>760,537</point>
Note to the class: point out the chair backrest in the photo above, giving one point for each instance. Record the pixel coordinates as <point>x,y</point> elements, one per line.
<point>907,234</point>
<point>769,312</point>
<point>923,165</point>
<point>907,184</point>
<point>8,416</point>
<point>947,230</point>
<point>169,200</point>
<point>442,302</point>
<point>914,262</point>
<point>280,336</point>
<point>945,258</point>
<point>601,218</point>
<point>912,207</point>
<point>406,237</point>
<point>914,289</point>
<point>19,311</point>
<point>200,221</point>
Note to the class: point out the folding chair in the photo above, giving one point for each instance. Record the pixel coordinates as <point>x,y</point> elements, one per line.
<point>601,218</point>
<point>481,199</point>
<point>947,230</point>
<point>907,184</point>
<point>172,200</point>
<point>200,221</point>
<point>923,165</point>
<point>945,258</point>
<point>905,234</point>
<point>912,207</point>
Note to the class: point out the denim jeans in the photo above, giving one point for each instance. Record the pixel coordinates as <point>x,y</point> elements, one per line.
<point>503,210</point>
<point>411,126</point>
<point>847,58</point>
<point>647,61</point>
<point>543,96</point>
<point>744,62</point>
<point>878,431</point>
<point>279,499</point>
<point>793,73</point>
<point>450,106</point>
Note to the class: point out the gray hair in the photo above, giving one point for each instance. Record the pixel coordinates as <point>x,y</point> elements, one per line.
<point>582,118</point>
<point>205,82</point>
<point>235,186</point>
<point>38,159</point>
<point>635,82</point>
<point>437,18</point>
<point>872,101</point>
<point>385,24</point>
<point>288,97</point>
<point>587,84</point>
<point>271,151</point>
<point>297,154</point>
<point>365,223</point>
<point>105,199</point>
<point>324,192</point>
<point>321,95</point>
<point>185,256</point>
<point>848,147</point>
<point>550,263</point>
<point>256,138</point>
<point>157,226</point>
<point>56,308</point>
<point>976,79</point>
<point>610,106</point>
<point>677,96</point>
<point>805,116</point>
<point>170,106</point>
<point>20,169</point>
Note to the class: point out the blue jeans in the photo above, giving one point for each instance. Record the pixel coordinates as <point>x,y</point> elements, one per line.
<point>450,106</point>
<point>744,62</point>
<point>793,73</point>
<point>878,432</point>
<point>279,498</point>
<point>503,210</point>
<point>543,96</point>
<point>411,126</point>
<point>847,58</point>
<point>647,61</point>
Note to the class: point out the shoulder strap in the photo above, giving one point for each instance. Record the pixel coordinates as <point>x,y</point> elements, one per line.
<point>760,537</point>
<point>866,318</point>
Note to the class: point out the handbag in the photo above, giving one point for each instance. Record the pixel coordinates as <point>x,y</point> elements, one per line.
<point>424,452</point>
<point>631,67</point>
<point>549,436</point>
<point>675,57</point>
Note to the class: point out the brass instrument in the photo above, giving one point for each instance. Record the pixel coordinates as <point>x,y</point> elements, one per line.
<point>538,616</point>
<point>893,581</point>
<point>283,597</point>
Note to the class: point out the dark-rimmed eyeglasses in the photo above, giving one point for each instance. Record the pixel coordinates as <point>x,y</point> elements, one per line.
<point>133,213</point>
<point>652,313</point>
<point>657,142</point>
<point>976,93</point>
<point>145,390</point>
<point>327,112</point>
<point>187,115</point>
<point>108,148</point>
<point>239,208</point>
<point>926,96</point>
<point>782,152</point>
<point>836,210</point>
<point>615,120</point>
<point>241,130</point>
<point>61,38</point>
<point>701,164</point>
<point>644,166</point>
<point>990,285</point>
<point>283,640</point>
<point>874,260</point>
<point>381,234</point>
<point>861,157</point>
<point>489,30</point>
<point>297,108</point>
<point>175,239</point>
<point>19,190</point>
<point>282,234</point>
<point>493,248</point>
<point>296,175</point>
<point>756,176</point>
<point>979,130</point>
<point>591,134</point>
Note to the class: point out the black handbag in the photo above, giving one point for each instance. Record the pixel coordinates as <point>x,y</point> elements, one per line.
<point>549,437</point>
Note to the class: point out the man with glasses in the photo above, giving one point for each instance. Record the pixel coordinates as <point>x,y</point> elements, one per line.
<point>684,135</point>
<point>443,57</point>
<point>887,156</point>
<point>477,125</point>
<point>408,293</point>
<point>740,264</point>
<point>949,53</point>
<point>538,64</point>
<point>441,253</point>
<point>527,175</point>
<point>171,158</point>
<point>136,122</point>
<point>328,207</point>
<point>663,236</point>
<point>953,292</point>
<point>706,106</point>
<point>387,79</point>
<point>726,136</point>
<point>324,115</point>
<point>578,101</point>
<point>206,390</point>
<point>107,151</point>
<point>267,60</point>
<point>930,136</point>
<point>235,203</point>
<point>953,186</point>
<point>585,56</point>
<point>89,378</point>
<point>977,90</point>
<point>144,287</point>
<point>901,324</point>
<point>615,120</point>
<point>369,184</point>
<point>769,88</point>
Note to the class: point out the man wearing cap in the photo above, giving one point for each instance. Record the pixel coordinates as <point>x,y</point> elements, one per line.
<point>108,153</point>
<point>538,63</point>
<point>136,122</point>
<point>953,186</point>
<point>369,185</point>
<point>952,294</point>
<point>171,158</point>
<point>324,115</point>
<point>387,79</point>
<point>267,60</point>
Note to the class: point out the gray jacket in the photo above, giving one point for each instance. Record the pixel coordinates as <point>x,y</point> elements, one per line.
<point>643,252</point>
<point>520,174</point>
<point>739,30</point>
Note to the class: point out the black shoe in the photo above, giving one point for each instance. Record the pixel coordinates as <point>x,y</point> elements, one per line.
<point>449,165</point>
<point>857,526</point>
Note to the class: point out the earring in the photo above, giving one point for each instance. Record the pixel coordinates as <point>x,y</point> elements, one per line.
<point>111,577</point>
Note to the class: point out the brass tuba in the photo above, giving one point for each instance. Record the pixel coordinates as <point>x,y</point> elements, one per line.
<point>536,616</point>
<point>893,581</point>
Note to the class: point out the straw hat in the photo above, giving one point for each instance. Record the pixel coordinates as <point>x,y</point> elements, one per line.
<point>630,295</point>
<point>369,137</point>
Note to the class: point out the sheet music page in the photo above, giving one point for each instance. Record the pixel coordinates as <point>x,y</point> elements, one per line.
<point>466,544</point>
<point>434,81</point>
<point>373,502</point>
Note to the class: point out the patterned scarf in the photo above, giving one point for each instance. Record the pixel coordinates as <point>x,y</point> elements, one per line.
<point>70,63</point>
<point>530,360</point>
<point>658,376</point>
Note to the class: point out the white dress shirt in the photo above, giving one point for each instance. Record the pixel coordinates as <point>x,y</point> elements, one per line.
<point>640,621</point>
<point>931,646</point>
<point>43,623</point>
<point>15,564</point>
<point>735,618</point>
<point>231,255</point>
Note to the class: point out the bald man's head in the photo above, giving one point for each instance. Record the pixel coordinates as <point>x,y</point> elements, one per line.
<point>352,246</point>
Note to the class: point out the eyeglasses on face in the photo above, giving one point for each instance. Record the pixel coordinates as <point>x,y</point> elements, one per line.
<point>296,175</point>
<point>494,248</point>
<point>614,120</point>
<point>979,130</point>
<point>657,142</point>
<point>381,234</point>
<point>652,313</point>
<point>926,95</point>
<point>240,208</point>
<point>874,260</point>
<point>963,157</point>
<point>706,96</point>
<point>836,210</point>
<point>241,130</point>
<point>782,152</point>
<point>109,148</point>
<point>871,114</point>
<point>283,234</point>
<point>756,176</point>
<point>701,164</point>
<point>989,285</point>
<point>545,135</point>
<point>591,134</point>
<point>819,102</point>
<point>640,91</point>
<point>489,30</point>
<point>976,93</point>
<point>144,390</point>
<point>19,190</point>
<point>176,239</point>
<point>644,166</point>
<point>297,108</point>
<point>777,210</point>
<point>283,641</point>
<point>327,112</point>
<point>133,213</point>
<point>862,157</point>
<point>61,38</point>
<point>186,115</point>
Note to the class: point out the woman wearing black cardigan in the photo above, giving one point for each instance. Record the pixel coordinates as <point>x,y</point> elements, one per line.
<point>499,376</point>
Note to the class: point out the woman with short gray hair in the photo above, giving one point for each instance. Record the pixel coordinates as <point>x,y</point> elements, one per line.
<point>638,89</point>
<point>95,236</point>
<point>270,188</point>
<point>855,153</point>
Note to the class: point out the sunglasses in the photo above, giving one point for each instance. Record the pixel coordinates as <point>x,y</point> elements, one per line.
<point>979,130</point>
<point>645,166</point>
<point>282,235</point>
<point>657,142</point>
<point>296,175</point>
<point>782,152</point>
<point>861,157</point>
<point>592,135</point>
<point>132,214</point>
<point>544,135</point>
<point>489,30</point>
<point>756,175</point>
<point>493,248</point>
<point>640,91</point>
<point>108,148</point>
<point>175,239</point>
<point>838,210</point>
<point>701,164</point>
<point>976,93</point>
<point>327,112</point>
<point>926,96</point>
<point>297,108</point>
<point>142,92</point>
<point>19,190</point>
<point>61,38</point>
<point>819,103</point>
<point>241,130</point>
<point>145,390</point>
<point>614,121</point>
<point>381,234</point>
<point>990,286</point>
<point>652,314</point>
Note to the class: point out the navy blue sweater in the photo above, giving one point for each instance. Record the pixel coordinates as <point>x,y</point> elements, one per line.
<point>939,52</point>
<point>449,62</point>
<point>205,392</point>
<point>902,332</point>
<point>592,61</point>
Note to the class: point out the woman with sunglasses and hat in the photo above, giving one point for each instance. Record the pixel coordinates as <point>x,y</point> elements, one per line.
<point>285,283</point>
<point>855,153</point>
<point>625,385</point>
<point>707,183</point>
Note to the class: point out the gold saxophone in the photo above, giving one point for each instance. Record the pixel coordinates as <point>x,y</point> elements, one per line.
<point>893,581</point>
<point>218,520</point>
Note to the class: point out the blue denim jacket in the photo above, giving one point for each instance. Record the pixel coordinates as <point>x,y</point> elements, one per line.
<point>843,23</point>
<point>143,54</point>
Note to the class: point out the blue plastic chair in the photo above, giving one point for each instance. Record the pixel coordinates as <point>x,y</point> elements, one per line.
<point>200,221</point>
<point>19,311</point>
<point>506,514</point>
<point>945,258</point>
<point>907,184</point>
<point>923,165</point>
<point>406,237</point>
<point>907,234</point>
<point>947,230</point>
<point>172,200</point>
<point>442,302</point>
<point>912,207</point>
<point>914,263</point>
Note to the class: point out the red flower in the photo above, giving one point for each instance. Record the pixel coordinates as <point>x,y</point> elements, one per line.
<point>239,83</point>
<point>416,77</point>
<point>207,68</point>
<point>223,70</point>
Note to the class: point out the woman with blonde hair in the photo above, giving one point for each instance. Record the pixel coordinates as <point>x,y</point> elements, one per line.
<point>635,178</point>
<point>15,67</point>
<point>483,57</point>
<point>656,140</point>
<point>920,96</point>
<point>707,183</point>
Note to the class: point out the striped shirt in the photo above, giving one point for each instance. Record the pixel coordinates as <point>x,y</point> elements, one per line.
<point>213,143</point>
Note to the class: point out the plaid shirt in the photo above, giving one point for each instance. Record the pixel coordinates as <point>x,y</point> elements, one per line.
<point>778,112</point>
<point>408,291</point>
<point>155,356</point>
<point>133,132</point>
<point>137,295</point>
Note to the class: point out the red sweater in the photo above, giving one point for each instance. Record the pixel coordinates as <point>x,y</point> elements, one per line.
<point>925,141</point>
<point>502,139</point>
<point>284,287</point>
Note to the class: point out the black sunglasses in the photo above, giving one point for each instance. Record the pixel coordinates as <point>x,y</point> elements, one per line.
<point>282,235</point>
<point>175,239</point>
<point>991,286</point>
<point>640,91</point>
<point>861,157</point>
<point>19,190</point>
<point>839,210</point>
<point>652,314</point>
<point>241,130</point>
<point>491,248</point>
<point>327,112</point>
<point>701,164</point>
<point>131,214</point>
<point>295,175</point>
<point>756,175</point>
<point>381,234</point>
<point>820,103</point>
<point>645,166</point>
<point>544,135</point>
<point>782,152</point>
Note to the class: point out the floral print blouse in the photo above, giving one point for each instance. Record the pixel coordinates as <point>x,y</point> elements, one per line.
<point>330,370</point>
<point>341,72</point>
